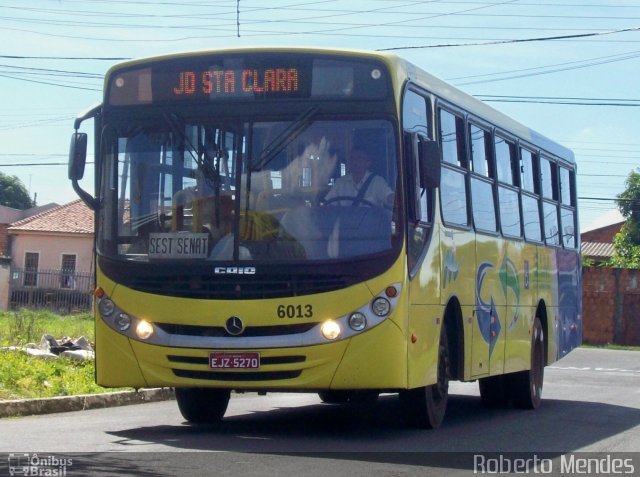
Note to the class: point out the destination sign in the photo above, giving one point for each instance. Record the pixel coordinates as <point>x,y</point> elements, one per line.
<point>178,245</point>
<point>225,82</point>
<point>251,77</point>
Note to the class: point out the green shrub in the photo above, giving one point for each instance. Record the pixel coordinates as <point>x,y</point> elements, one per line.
<point>23,376</point>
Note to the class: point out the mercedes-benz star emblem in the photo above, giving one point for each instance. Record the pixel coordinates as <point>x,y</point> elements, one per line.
<point>234,326</point>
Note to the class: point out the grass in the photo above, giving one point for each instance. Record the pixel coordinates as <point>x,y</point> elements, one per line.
<point>26,326</point>
<point>23,376</point>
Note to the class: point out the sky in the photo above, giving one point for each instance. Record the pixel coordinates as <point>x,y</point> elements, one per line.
<point>565,68</point>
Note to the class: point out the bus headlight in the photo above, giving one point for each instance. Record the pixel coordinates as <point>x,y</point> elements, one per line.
<point>106,307</point>
<point>123,321</point>
<point>357,321</point>
<point>144,330</point>
<point>330,330</point>
<point>381,306</point>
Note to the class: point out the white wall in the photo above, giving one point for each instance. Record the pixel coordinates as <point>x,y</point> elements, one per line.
<point>51,248</point>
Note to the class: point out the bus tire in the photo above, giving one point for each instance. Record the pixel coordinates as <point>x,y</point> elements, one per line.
<point>494,391</point>
<point>202,405</point>
<point>425,407</point>
<point>526,386</point>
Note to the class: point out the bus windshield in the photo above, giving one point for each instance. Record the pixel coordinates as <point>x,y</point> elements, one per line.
<point>305,189</point>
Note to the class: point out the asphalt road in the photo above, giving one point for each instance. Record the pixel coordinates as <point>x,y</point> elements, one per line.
<point>591,405</point>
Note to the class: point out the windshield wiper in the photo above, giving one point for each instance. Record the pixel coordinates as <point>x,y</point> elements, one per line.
<point>282,140</point>
<point>206,165</point>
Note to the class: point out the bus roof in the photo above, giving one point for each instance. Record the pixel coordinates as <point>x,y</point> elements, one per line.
<point>478,108</point>
<point>404,71</point>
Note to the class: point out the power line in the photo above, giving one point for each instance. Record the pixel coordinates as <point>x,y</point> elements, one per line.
<point>98,58</point>
<point>559,100</point>
<point>520,40</point>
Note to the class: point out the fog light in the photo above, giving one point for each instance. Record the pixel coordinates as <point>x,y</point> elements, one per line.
<point>123,321</point>
<point>330,330</point>
<point>381,306</point>
<point>144,330</point>
<point>106,307</point>
<point>357,321</point>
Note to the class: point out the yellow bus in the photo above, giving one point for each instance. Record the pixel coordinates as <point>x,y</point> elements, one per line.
<point>329,221</point>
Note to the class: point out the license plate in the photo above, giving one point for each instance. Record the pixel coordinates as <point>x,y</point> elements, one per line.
<point>234,360</point>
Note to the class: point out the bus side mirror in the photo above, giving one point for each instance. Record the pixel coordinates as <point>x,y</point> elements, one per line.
<point>429,156</point>
<point>77,156</point>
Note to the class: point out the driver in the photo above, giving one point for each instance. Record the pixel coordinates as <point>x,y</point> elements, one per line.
<point>360,186</point>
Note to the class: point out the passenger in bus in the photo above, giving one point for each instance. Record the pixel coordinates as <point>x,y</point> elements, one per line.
<point>360,186</point>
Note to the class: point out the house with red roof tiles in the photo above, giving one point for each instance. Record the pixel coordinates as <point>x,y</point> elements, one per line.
<point>51,251</point>
<point>52,237</point>
<point>9,215</point>
<point>597,244</point>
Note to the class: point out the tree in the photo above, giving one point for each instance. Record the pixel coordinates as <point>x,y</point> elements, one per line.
<point>626,243</point>
<point>13,193</point>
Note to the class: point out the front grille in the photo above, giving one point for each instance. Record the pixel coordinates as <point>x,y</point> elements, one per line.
<point>265,361</point>
<point>219,331</point>
<point>237,376</point>
<point>198,280</point>
<point>226,287</point>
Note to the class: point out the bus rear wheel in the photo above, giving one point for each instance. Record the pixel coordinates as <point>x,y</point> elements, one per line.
<point>526,386</point>
<point>425,407</point>
<point>202,405</point>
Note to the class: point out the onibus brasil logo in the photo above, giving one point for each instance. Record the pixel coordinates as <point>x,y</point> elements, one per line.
<point>38,465</point>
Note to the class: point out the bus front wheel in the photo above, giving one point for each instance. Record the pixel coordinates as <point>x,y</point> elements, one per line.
<point>425,407</point>
<point>202,405</point>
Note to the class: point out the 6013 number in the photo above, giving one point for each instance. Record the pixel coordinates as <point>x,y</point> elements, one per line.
<point>295,311</point>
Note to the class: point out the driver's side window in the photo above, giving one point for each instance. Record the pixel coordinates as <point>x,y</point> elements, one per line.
<point>416,113</point>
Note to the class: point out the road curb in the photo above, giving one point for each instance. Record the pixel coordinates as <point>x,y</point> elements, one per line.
<point>29,407</point>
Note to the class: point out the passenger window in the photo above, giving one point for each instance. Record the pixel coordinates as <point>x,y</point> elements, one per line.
<point>505,160</point>
<point>548,179</point>
<point>531,218</point>
<point>527,177</point>
<point>551,230</point>
<point>453,197</point>
<point>484,211</point>
<point>509,211</point>
<point>414,114</point>
<point>568,217</point>
<point>566,187</point>
<point>452,138</point>
<point>482,195</point>
<point>480,141</point>
<point>567,207</point>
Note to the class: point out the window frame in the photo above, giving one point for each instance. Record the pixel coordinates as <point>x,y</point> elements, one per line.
<point>489,178</point>
<point>28,273</point>
<point>514,185</point>
<point>550,201</point>
<point>462,167</point>
<point>417,193</point>
<point>67,276</point>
